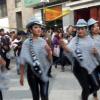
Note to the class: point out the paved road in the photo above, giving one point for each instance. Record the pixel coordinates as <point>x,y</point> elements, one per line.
<point>63,86</point>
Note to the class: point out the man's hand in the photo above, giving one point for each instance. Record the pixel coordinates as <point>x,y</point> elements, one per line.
<point>22,74</point>
<point>22,81</point>
<point>49,52</point>
<point>64,45</point>
<point>94,51</point>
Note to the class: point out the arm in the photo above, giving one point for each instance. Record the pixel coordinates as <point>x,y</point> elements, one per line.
<point>49,52</point>
<point>22,74</point>
<point>64,46</point>
<point>22,63</point>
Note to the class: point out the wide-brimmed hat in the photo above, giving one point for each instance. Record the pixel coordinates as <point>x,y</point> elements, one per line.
<point>32,21</point>
<point>91,21</point>
<point>81,23</point>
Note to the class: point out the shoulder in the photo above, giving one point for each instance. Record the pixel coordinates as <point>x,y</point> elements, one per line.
<point>89,38</point>
<point>25,43</point>
<point>42,40</point>
<point>73,39</point>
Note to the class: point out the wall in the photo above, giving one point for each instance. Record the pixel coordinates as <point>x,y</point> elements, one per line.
<point>68,19</point>
<point>11,13</point>
<point>26,13</point>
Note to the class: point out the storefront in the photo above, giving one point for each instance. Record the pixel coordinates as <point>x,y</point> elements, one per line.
<point>51,13</point>
<point>85,9</point>
<point>53,16</point>
<point>86,13</point>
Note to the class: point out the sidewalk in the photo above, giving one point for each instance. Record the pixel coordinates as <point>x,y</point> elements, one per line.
<point>63,86</point>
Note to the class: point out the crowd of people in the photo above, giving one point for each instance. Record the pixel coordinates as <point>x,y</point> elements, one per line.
<point>38,49</point>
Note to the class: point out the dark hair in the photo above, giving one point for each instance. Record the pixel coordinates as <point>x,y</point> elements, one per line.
<point>21,33</point>
<point>1,30</point>
<point>91,26</point>
<point>69,27</point>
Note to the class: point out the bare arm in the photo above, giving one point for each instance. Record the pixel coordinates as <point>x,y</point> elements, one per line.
<point>49,51</point>
<point>64,46</point>
<point>22,74</point>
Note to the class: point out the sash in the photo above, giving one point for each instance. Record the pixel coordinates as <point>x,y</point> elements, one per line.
<point>36,64</point>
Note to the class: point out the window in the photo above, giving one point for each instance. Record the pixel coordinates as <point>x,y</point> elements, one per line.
<point>17,3</point>
<point>3,8</point>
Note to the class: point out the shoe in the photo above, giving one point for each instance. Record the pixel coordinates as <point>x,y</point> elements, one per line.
<point>55,66</point>
<point>8,68</point>
<point>50,75</point>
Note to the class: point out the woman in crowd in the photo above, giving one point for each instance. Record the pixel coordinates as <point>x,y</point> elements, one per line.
<point>70,32</point>
<point>2,64</point>
<point>5,46</point>
<point>37,55</point>
<point>94,32</point>
<point>17,44</point>
<point>83,49</point>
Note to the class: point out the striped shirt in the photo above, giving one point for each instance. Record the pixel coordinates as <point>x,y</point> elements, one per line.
<point>39,50</point>
<point>86,45</point>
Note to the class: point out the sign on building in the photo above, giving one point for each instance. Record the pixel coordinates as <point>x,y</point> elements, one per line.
<point>29,3</point>
<point>44,0</point>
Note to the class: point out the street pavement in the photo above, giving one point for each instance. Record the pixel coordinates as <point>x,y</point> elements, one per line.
<point>63,86</point>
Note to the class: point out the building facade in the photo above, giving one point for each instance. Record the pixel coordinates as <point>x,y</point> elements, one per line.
<point>18,14</point>
<point>14,14</point>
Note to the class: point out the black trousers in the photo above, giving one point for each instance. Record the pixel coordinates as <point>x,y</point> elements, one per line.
<point>50,70</point>
<point>38,87</point>
<point>7,63</point>
<point>1,97</point>
<point>83,78</point>
<point>98,71</point>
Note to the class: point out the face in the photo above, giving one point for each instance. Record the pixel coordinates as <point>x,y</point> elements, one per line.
<point>2,33</point>
<point>18,37</point>
<point>81,31</point>
<point>36,30</point>
<point>70,29</point>
<point>95,29</point>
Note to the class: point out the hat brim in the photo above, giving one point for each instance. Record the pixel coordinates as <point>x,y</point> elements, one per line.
<point>32,24</point>
<point>93,23</point>
<point>81,25</point>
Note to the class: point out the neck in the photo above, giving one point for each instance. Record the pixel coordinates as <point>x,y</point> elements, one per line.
<point>82,36</point>
<point>95,34</point>
<point>35,37</point>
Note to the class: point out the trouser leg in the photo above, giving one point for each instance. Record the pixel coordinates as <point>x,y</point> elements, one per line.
<point>33,84</point>
<point>82,76</point>
<point>49,72</point>
<point>7,63</point>
<point>44,90</point>
<point>1,97</point>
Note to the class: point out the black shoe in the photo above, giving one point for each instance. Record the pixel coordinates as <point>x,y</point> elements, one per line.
<point>50,75</point>
<point>8,68</point>
<point>55,66</point>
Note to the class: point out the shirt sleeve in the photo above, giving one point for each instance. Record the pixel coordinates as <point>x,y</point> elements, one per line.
<point>71,45</point>
<point>23,53</point>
